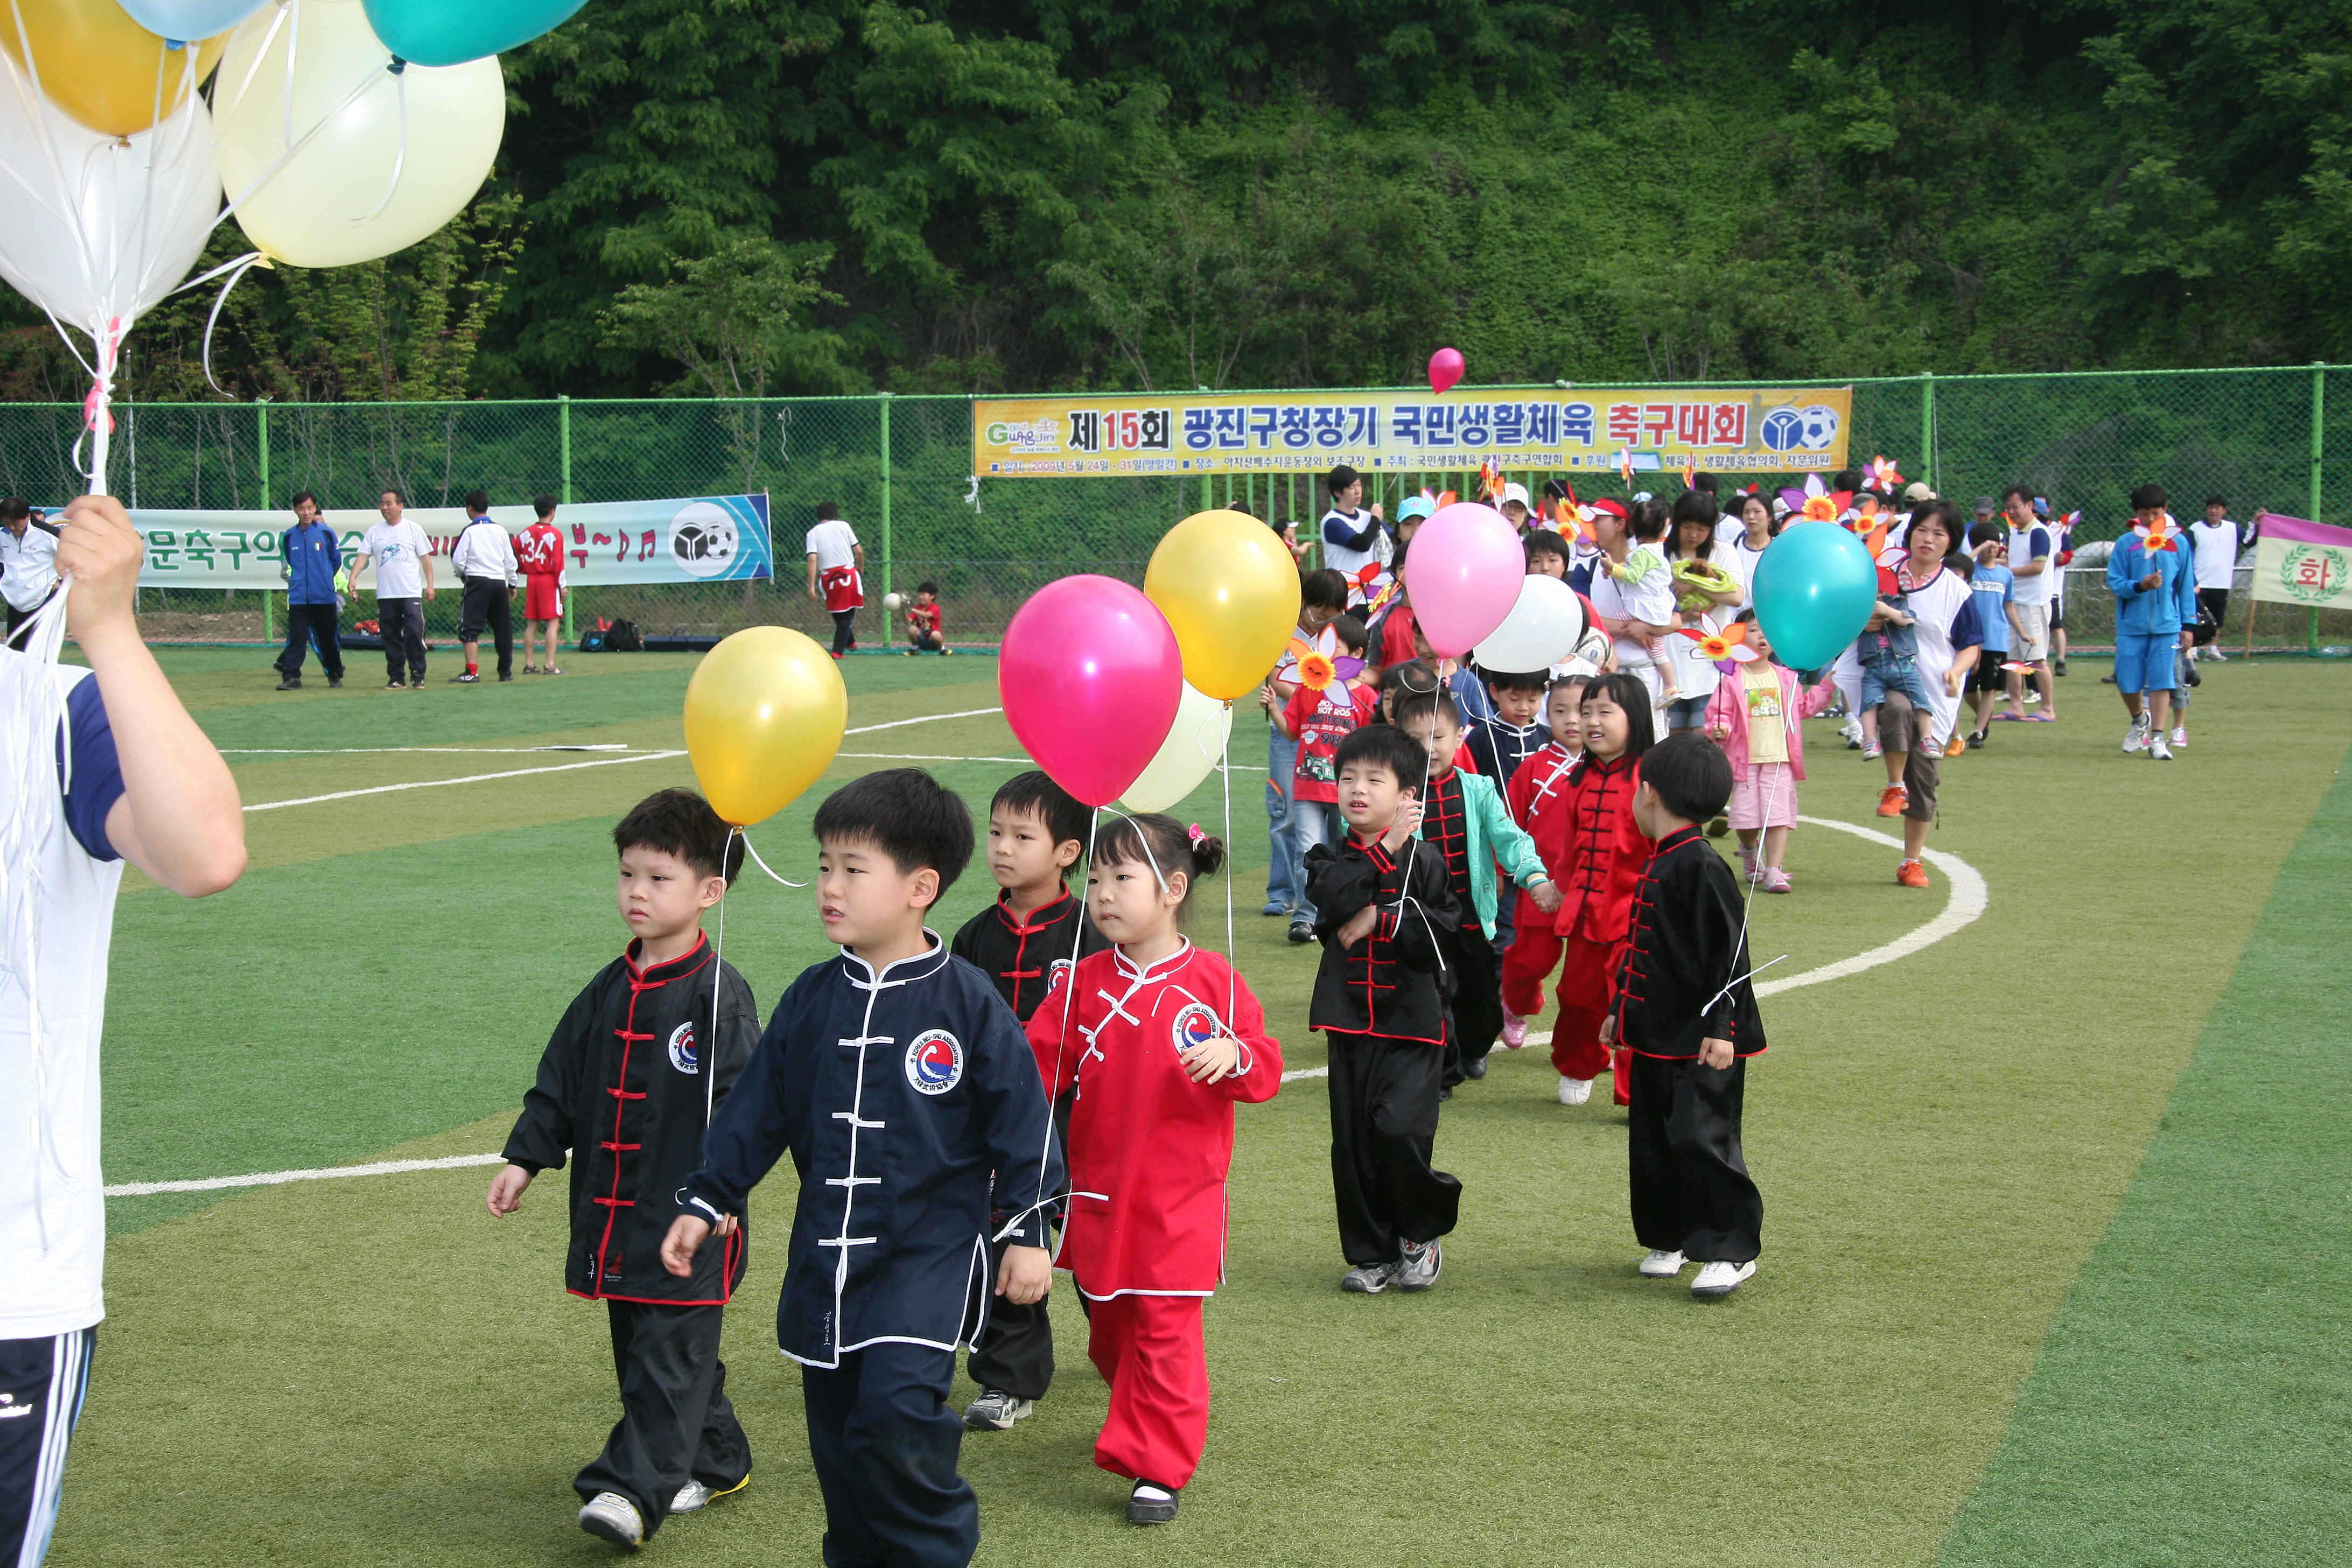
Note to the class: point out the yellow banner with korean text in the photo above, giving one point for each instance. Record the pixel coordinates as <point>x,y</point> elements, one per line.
<point>1723,429</point>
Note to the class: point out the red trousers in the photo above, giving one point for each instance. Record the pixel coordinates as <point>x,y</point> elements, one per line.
<point>1149,1349</point>
<point>1587,989</point>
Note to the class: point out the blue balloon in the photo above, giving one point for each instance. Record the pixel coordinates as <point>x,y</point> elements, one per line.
<point>188,20</point>
<point>1814,588</point>
<point>451,32</point>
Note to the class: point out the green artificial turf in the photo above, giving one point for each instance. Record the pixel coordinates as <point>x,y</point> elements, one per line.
<point>1940,1143</point>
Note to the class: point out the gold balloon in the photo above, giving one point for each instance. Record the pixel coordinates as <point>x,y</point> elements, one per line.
<point>764,715</point>
<point>99,66</point>
<point>1228,586</point>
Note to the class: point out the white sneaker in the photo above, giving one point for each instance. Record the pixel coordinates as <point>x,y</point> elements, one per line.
<point>1721,1279</point>
<point>1851,731</point>
<point>1662,1265</point>
<point>1575,1090</point>
<point>2179,735</point>
<point>2135,738</point>
<point>2160,751</point>
<point>2217,654</point>
<point>692,1498</point>
<point>615,1518</point>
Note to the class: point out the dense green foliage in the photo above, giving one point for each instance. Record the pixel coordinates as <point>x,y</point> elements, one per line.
<point>1128,192</point>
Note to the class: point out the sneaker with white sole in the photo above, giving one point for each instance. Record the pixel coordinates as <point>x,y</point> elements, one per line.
<point>1514,1031</point>
<point>615,1519</point>
<point>1417,1269</point>
<point>1661,1265</point>
<point>2135,738</point>
<point>1872,751</point>
<point>996,1411</point>
<point>694,1497</point>
<point>2179,735</point>
<point>1369,1279</point>
<point>1721,1279</point>
<point>2160,751</point>
<point>1575,1090</point>
<point>1151,1503</point>
<point>2216,655</point>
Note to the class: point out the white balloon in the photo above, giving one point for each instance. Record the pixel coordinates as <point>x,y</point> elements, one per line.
<point>97,228</point>
<point>311,184</point>
<point>1195,741</point>
<point>1540,631</point>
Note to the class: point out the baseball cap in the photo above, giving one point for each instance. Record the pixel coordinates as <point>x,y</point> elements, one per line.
<point>2041,506</point>
<point>1916,491</point>
<point>1984,506</point>
<point>1615,509</point>
<point>1416,506</point>
<point>1515,493</point>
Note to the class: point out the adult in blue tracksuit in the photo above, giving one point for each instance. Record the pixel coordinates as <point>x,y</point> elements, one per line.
<point>2156,614</point>
<point>313,556</point>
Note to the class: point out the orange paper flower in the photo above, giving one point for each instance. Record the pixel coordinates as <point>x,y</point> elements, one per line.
<point>1818,509</point>
<point>1731,643</point>
<point>1316,671</point>
<point>2160,535</point>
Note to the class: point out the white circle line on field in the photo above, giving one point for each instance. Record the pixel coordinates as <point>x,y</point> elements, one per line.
<point>1963,905</point>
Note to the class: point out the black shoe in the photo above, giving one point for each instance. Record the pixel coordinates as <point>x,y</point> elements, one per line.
<point>1151,1509</point>
<point>1976,739</point>
<point>1475,1068</point>
<point>1444,1094</point>
<point>2059,668</point>
<point>396,685</point>
<point>335,683</point>
<point>1301,933</point>
<point>507,677</point>
<point>468,678</point>
<point>2107,680</point>
<point>291,683</point>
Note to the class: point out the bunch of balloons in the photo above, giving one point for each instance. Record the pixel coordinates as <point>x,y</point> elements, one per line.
<point>338,131</point>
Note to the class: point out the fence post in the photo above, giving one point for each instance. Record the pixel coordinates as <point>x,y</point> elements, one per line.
<point>2318,454</point>
<point>1928,429</point>
<point>261,436</point>
<point>564,478</point>
<point>885,400</point>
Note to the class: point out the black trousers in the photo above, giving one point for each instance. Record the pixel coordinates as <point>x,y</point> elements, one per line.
<point>16,619</point>
<point>488,602</point>
<point>304,622</point>
<point>1691,1190</point>
<point>843,638</point>
<point>402,624</point>
<point>1015,1353</point>
<point>1474,1013</point>
<point>676,1421</point>
<point>2216,602</point>
<point>884,1445</point>
<point>1383,1131</point>
<point>47,1379</point>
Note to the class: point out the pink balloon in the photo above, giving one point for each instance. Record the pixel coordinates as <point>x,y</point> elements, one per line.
<point>1445,368</point>
<point>1090,676</point>
<point>1463,573</point>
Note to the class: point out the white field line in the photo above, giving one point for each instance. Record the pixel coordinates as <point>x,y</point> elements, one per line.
<point>277,1178</point>
<point>1967,902</point>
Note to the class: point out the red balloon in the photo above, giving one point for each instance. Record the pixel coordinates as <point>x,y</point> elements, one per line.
<point>1445,368</point>
<point>1090,676</point>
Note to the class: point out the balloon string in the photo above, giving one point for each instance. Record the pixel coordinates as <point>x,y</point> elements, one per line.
<point>787,881</point>
<point>709,1053</point>
<point>1233,954</point>
<point>400,153</point>
<point>1070,1001</point>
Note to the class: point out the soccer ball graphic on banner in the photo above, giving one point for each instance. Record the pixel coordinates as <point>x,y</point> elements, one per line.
<point>702,540</point>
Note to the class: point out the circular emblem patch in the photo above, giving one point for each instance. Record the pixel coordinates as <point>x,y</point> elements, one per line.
<point>2314,574</point>
<point>682,1054</point>
<point>934,1062</point>
<point>1196,1025</point>
<point>1056,973</point>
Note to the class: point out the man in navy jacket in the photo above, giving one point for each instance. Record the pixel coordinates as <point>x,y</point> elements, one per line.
<point>313,557</point>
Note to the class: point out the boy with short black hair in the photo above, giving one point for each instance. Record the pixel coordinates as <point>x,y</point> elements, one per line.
<point>923,618</point>
<point>1515,731</point>
<point>1686,1011</point>
<point>1026,942</point>
<point>1384,896</point>
<point>628,1084</point>
<point>898,1081</point>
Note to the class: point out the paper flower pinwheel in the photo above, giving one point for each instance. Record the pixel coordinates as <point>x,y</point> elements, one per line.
<point>1884,475</point>
<point>1625,465</point>
<point>1490,479</point>
<point>2159,535</point>
<point>1731,644</point>
<point>1318,670</point>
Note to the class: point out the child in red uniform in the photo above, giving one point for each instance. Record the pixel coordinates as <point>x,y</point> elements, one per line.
<point>1155,1040</point>
<point>923,623</point>
<point>1319,721</point>
<point>1534,801</point>
<point>539,551</point>
<point>1603,855</point>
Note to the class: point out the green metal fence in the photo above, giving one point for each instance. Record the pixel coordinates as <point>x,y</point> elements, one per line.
<point>899,468</point>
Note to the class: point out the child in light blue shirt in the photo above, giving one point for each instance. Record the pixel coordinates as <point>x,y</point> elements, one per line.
<point>1995,587</point>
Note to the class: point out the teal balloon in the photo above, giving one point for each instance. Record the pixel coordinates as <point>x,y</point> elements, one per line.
<point>451,32</point>
<point>189,19</point>
<point>1814,587</point>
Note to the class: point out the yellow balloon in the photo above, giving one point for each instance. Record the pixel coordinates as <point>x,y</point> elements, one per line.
<point>764,715</point>
<point>1228,586</point>
<point>102,67</point>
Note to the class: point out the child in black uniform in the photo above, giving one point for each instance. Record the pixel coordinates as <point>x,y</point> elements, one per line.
<point>1382,897</point>
<point>1686,1010</point>
<point>903,1087</point>
<point>1026,942</point>
<point>627,1085</point>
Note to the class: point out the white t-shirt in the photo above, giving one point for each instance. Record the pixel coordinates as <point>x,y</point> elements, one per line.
<point>2024,544</point>
<point>832,544</point>
<point>1939,604</point>
<point>1740,562</point>
<point>2217,552</point>
<point>398,550</point>
<point>1347,560</point>
<point>52,1201</point>
<point>1694,673</point>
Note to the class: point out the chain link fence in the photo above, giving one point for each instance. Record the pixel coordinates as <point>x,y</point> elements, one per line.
<point>900,468</point>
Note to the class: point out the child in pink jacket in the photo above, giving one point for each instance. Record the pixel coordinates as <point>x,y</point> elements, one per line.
<point>1754,716</point>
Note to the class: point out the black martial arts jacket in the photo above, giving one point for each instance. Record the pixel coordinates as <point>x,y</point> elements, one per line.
<point>1389,984</point>
<point>896,1094</point>
<point>1027,958</point>
<point>1684,948</point>
<point>623,1087</point>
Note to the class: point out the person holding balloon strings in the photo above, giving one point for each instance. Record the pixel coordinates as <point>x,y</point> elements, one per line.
<point>1334,697</point>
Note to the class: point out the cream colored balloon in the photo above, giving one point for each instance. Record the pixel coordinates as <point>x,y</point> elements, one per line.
<point>1195,741</point>
<point>324,203</point>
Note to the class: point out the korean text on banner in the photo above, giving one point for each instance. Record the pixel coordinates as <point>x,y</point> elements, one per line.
<point>1720,429</point>
<point>699,539</point>
<point>2302,562</point>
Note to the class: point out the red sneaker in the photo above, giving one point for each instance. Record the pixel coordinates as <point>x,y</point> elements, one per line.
<point>1911,874</point>
<point>1892,800</point>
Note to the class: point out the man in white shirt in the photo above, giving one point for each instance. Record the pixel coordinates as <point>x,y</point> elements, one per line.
<point>836,574</point>
<point>403,583</point>
<point>484,560</point>
<point>142,784</point>
<point>28,572</point>
<point>2032,558</point>
<point>1354,536</point>
<point>2219,543</point>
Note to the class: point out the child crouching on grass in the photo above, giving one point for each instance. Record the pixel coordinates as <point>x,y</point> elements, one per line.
<point>626,1087</point>
<point>924,619</point>
<point>1754,717</point>
<point>1685,1012</point>
<point>1154,1040</point>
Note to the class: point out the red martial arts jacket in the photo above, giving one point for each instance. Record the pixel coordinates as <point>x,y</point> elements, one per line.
<point>1606,853</point>
<point>1537,799</point>
<point>1148,1148</point>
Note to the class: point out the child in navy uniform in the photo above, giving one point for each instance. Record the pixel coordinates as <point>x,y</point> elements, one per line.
<point>898,1081</point>
<point>1686,1012</point>
<point>627,1086</point>
<point>1026,942</point>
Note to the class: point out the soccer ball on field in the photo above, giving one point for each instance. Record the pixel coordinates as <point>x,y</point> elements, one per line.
<point>893,602</point>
